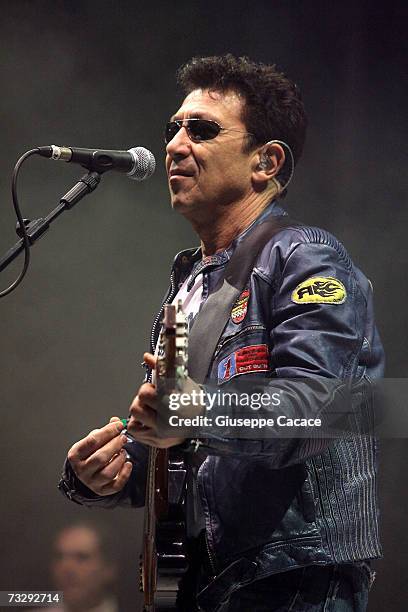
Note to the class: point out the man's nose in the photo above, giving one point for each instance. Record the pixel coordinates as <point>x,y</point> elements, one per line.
<point>180,145</point>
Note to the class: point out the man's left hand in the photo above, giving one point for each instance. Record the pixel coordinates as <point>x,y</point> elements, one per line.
<point>143,413</point>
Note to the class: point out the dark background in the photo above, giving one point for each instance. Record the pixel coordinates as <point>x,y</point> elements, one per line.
<point>101,74</point>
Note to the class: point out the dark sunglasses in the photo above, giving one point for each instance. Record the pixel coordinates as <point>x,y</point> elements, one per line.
<point>197,129</point>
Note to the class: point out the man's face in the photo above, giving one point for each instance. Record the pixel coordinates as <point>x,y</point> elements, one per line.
<point>79,569</point>
<point>211,173</point>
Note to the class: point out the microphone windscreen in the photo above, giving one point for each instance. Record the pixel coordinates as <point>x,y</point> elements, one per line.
<point>144,165</point>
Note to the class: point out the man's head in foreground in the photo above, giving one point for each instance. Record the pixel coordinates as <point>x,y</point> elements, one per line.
<point>82,566</point>
<point>229,158</point>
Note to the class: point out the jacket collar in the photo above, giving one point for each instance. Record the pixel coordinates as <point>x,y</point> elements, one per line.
<point>190,261</point>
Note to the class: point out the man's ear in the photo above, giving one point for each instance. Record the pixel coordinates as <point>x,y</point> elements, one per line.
<point>269,160</point>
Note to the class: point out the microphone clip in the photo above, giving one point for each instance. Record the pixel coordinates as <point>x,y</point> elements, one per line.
<point>85,185</point>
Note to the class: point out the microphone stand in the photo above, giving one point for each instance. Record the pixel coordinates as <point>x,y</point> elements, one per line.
<point>37,227</point>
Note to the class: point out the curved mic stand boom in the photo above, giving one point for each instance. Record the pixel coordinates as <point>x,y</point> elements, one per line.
<point>29,231</point>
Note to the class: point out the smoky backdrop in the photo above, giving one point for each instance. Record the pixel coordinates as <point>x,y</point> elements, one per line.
<point>101,74</point>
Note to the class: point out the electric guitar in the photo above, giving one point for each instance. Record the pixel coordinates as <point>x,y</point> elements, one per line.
<point>164,558</point>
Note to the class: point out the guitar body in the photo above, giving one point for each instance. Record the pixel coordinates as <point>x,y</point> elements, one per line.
<point>171,553</point>
<point>164,558</point>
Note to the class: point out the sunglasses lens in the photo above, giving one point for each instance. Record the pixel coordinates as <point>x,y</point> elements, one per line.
<point>198,129</point>
<point>201,129</point>
<point>171,130</point>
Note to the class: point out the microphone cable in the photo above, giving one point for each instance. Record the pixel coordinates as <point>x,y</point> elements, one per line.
<point>22,231</point>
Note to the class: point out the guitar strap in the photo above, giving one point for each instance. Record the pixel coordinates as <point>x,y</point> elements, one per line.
<point>216,310</point>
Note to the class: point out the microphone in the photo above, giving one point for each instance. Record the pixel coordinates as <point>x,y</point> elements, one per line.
<point>137,163</point>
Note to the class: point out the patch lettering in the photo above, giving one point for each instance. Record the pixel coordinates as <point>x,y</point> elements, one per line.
<point>320,290</point>
<point>253,358</point>
<point>240,308</point>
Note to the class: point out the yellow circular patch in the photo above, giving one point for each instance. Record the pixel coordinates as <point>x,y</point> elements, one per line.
<point>320,290</point>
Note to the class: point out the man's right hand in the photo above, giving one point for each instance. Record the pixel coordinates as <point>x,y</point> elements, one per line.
<point>99,460</point>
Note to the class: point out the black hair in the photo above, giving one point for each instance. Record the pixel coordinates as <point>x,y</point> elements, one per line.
<point>273,108</point>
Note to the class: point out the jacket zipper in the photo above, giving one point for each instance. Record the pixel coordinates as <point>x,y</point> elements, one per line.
<point>209,553</point>
<point>210,556</point>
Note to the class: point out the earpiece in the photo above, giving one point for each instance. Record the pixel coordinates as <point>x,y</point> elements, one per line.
<point>288,169</point>
<point>264,163</point>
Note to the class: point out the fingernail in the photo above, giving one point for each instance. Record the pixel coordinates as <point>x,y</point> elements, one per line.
<point>119,426</point>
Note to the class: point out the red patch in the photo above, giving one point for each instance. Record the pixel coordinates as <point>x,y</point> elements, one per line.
<point>240,307</point>
<point>252,359</point>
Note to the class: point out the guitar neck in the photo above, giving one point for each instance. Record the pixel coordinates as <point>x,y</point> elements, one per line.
<point>171,370</point>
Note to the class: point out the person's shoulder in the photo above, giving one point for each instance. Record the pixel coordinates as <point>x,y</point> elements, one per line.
<point>295,237</point>
<point>293,233</point>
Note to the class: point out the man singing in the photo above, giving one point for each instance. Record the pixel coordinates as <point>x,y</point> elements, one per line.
<point>282,523</point>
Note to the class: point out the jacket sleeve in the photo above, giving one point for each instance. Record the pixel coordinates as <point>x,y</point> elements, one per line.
<point>313,341</point>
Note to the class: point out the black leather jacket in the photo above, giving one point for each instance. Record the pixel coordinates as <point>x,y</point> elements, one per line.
<point>273,505</point>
